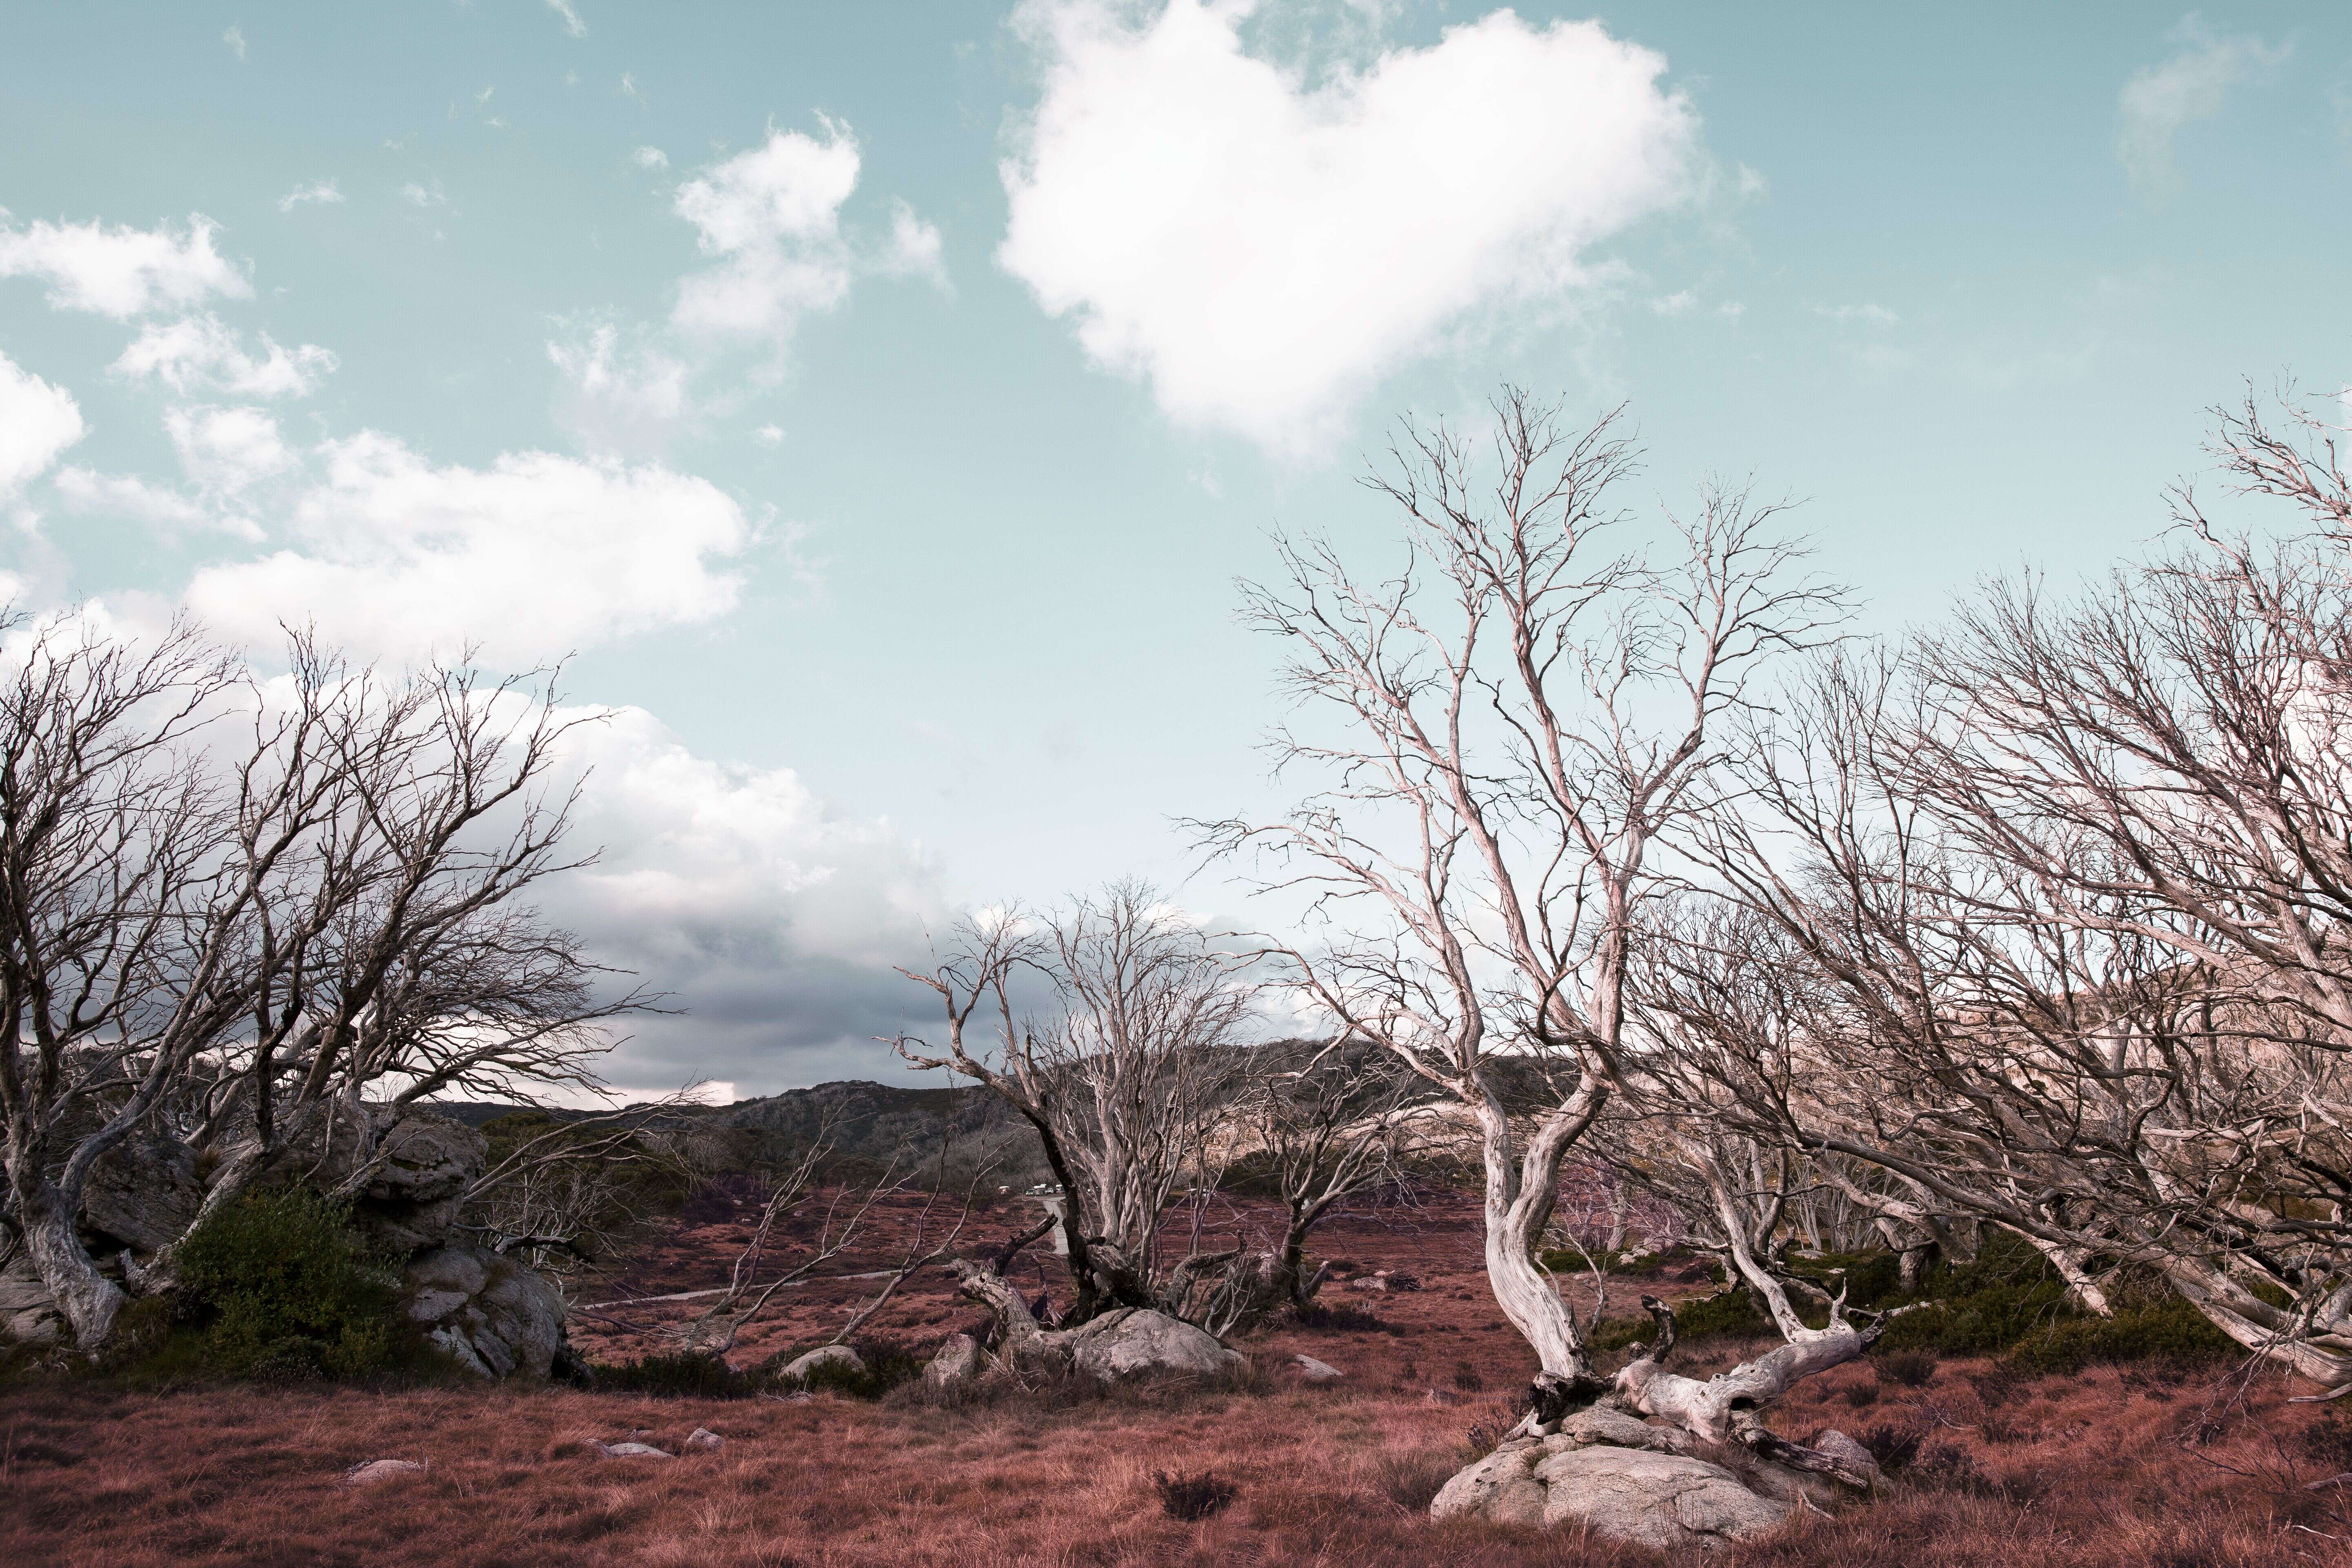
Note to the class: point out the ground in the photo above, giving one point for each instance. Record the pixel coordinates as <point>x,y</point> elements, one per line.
<point>2111,1468</point>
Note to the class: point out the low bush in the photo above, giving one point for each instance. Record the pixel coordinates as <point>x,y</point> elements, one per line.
<point>275,1287</point>
<point>1339,1317</point>
<point>2168,1330</point>
<point>882,1365</point>
<point>1192,1496</point>
<point>1411,1480</point>
<point>681,1376</point>
<point>1912,1368</point>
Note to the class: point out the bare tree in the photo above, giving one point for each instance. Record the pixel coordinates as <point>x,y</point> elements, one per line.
<point>227,914</point>
<point>1519,716</point>
<point>1122,1078</point>
<point>1320,1123</point>
<point>2059,902</point>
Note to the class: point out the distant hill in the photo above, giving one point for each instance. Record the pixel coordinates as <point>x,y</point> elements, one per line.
<point>871,1128</point>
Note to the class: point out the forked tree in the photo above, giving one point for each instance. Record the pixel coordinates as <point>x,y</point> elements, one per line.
<point>1501,731</point>
<point>1121,1075</point>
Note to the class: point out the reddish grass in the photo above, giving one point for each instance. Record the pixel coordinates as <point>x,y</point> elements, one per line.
<point>2103,1471</point>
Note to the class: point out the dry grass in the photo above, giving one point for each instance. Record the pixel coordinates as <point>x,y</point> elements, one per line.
<point>2103,1471</point>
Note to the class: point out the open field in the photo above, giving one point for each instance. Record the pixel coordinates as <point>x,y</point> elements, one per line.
<point>2113,1466</point>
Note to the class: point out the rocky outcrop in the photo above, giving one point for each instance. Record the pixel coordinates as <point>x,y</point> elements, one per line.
<point>496,1317</point>
<point>143,1194</point>
<point>421,1170</point>
<point>27,1312</point>
<point>1644,1496</point>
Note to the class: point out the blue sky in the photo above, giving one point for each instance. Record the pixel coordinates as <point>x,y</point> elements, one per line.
<point>876,402</point>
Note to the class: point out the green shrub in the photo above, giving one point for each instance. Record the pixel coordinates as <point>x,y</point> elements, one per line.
<point>1727,1312</point>
<point>886,1366</point>
<point>2169,1329</point>
<point>276,1287</point>
<point>2008,1299</point>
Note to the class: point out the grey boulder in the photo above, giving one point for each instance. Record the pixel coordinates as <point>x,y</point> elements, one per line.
<point>1137,1341</point>
<point>142,1192</point>
<point>27,1312</point>
<point>495,1316</point>
<point>423,1166</point>
<point>800,1367</point>
<point>376,1470</point>
<point>1636,1496</point>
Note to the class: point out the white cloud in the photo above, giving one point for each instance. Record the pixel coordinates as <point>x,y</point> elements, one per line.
<point>234,39</point>
<point>1262,249</point>
<point>571,15</point>
<point>532,557</point>
<point>123,495</point>
<point>2159,101</point>
<point>772,217</point>
<point>629,87</point>
<point>417,195</point>
<point>320,191</point>
<point>1868,315</point>
<point>200,352</point>
<point>768,435</point>
<point>769,219</point>
<point>616,399</point>
<point>914,250</point>
<point>121,271</point>
<point>772,916</point>
<point>226,451</point>
<point>1677,303</point>
<point>37,422</point>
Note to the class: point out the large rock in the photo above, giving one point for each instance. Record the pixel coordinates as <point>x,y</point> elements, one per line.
<point>27,1312</point>
<point>426,1163</point>
<point>800,1368</point>
<point>1135,1341</point>
<point>1637,1496</point>
<point>142,1194</point>
<point>497,1317</point>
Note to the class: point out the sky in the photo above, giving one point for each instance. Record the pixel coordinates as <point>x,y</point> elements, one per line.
<point>871,407</point>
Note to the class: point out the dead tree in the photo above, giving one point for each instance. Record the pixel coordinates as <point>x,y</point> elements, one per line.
<point>2068,886</point>
<point>1320,1123</point>
<point>229,912</point>
<point>1121,1076</point>
<point>1517,717</point>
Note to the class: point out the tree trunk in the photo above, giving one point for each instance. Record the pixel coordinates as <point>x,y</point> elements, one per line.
<point>89,1299</point>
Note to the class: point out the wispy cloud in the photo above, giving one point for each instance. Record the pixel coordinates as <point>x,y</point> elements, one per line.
<point>2191,85</point>
<point>1868,315</point>
<point>322,192</point>
<point>571,15</point>
<point>234,39</point>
